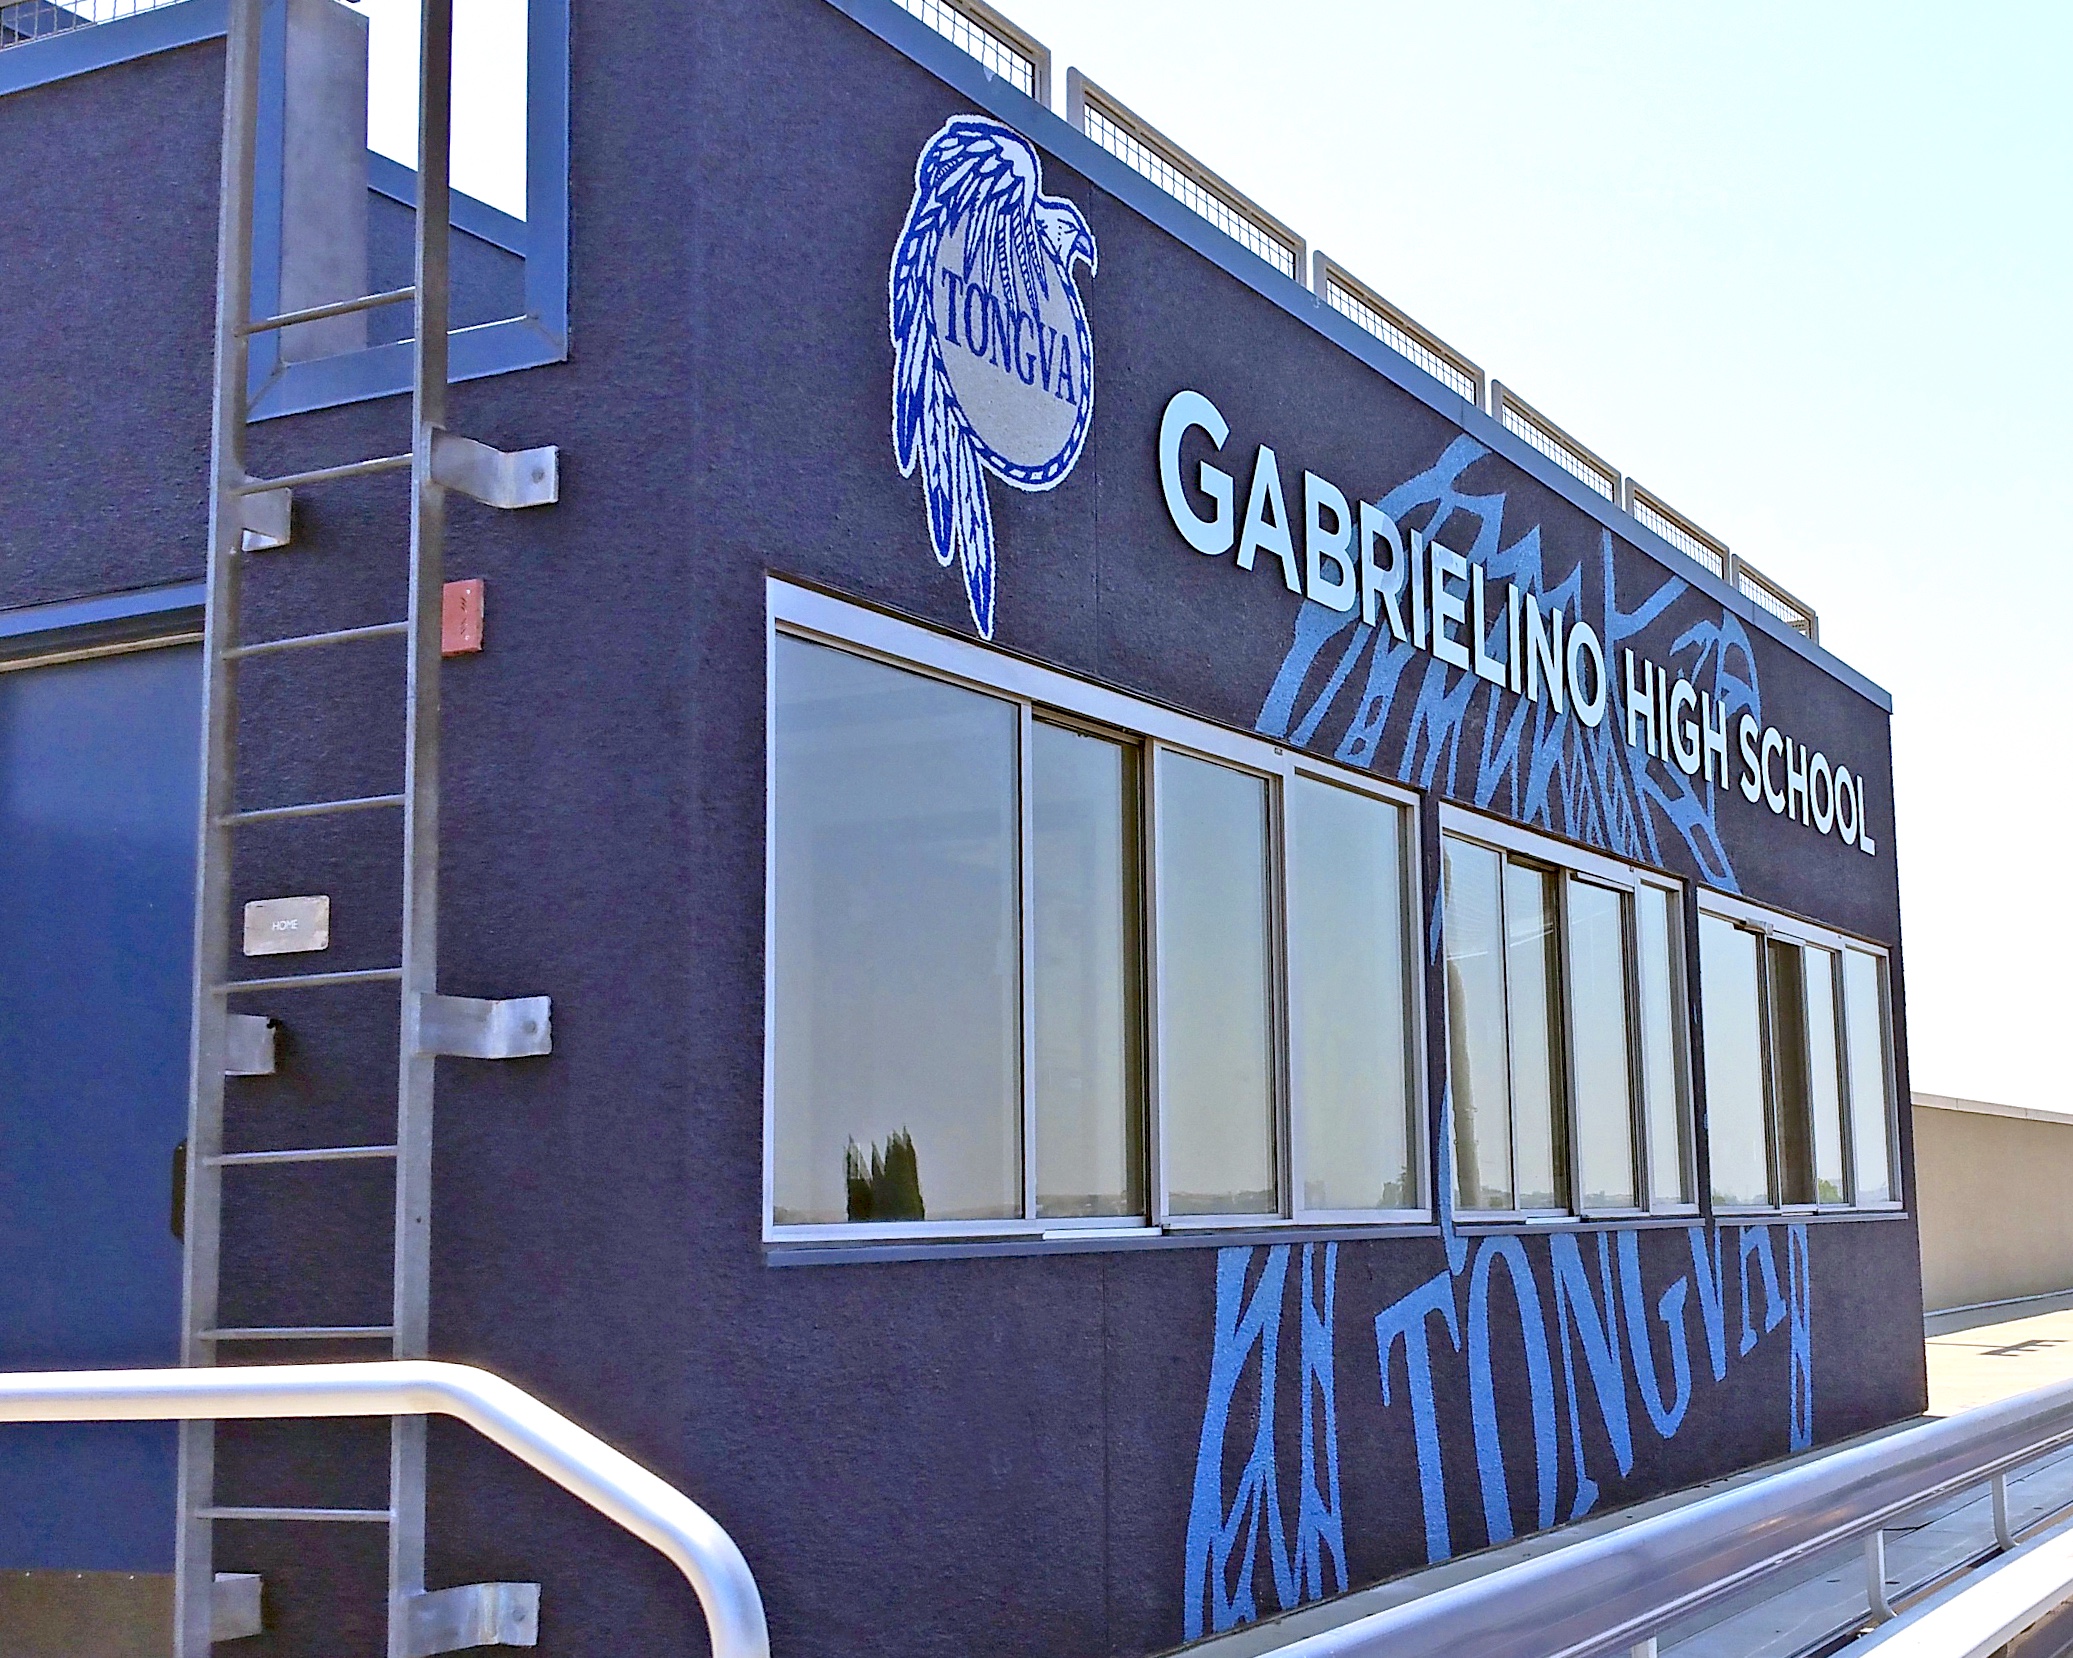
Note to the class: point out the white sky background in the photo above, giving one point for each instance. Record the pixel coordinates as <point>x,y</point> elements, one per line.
<point>1801,269</point>
<point>488,93</point>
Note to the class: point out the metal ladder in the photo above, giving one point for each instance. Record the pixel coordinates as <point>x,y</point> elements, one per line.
<point>253,515</point>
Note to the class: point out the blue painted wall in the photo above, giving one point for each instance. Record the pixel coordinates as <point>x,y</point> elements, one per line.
<point>1033,1452</point>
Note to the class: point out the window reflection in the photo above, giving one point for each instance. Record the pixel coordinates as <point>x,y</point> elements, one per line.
<point>1533,978</point>
<point>1669,1146</point>
<point>1599,1021</point>
<point>1824,1077</point>
<point>1478,1051</point>
<point>1870,1080</point>
<point>897,957</point>
<point>1216,1028</point>
<point>1089,1117</point>
<point>1731,1004</point>
<point>1346,950</point>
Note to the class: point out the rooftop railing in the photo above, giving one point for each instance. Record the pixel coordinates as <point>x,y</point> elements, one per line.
<point>1141,146</point>
<point>976,28</point>
<point>22,21</point>
<point>1521,419</point>
<point>1353,298</point>
<point>1677,529</point>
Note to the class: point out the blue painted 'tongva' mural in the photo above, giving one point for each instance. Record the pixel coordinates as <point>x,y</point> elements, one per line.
<point>1605,1362</point>
<point>1525,760</point>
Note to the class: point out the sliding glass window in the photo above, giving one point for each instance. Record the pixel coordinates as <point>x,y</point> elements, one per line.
<point>1216,990</point>
<point>1352,1047</point>
<point>1867,1022</point>
<point>1565,1057</point>
<point>1659,956</point>
<point>1086,911</point>
<point>1604,1025</point>
<point>1738,1120</point>
<point>1798,1089</point>
<point>897,971</point>
<point>1046,959</point>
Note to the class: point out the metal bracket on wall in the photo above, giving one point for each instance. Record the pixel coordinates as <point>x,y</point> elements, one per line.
<point>234,1606</point>
<point>266,517</point>
<point>496,477</point>
<point>248,1045</point>
<point>476,1614</point>
<point>467,1027</point>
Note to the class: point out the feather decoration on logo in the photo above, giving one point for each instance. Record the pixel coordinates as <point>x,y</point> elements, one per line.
<point>993,361</point>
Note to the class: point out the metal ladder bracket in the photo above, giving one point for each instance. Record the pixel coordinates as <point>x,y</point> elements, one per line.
<point>266,519</point>
<point>467,1027</point>
<point>248,1045</point>
<point>476,1614</point>
<point>496,477</point>
<point>234,1606</point>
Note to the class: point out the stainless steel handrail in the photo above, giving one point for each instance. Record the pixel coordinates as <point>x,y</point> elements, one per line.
<point>1611,1592</point>
<point>574,1458</point>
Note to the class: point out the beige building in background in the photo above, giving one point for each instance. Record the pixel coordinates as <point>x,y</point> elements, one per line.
<point>1994,1190</point>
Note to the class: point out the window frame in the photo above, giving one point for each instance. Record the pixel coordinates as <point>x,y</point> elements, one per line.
<point>1410,898</point>
<point>1777,926</point>
<point>1044,694</point>
<point>1571,863</point>
<point>532,339</point>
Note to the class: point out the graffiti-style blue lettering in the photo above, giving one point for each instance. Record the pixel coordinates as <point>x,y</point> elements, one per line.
<point>1665,1420</point>
<point>1706,1269</point>
<point>1799,1273</point>
<point>1405,1319</point>
<point>1532,763</point>
<point>1223,1540</point>
<point>1214,1530</point>
<point>1482,1386</point>
<point>1756,1240</point>
<point>1320,1530</point>
<point>1592,1320</point>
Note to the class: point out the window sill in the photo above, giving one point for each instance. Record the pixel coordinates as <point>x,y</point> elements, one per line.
<point>1484,1226</point>
<point>1794,1215</point>
<point>858,1250</point>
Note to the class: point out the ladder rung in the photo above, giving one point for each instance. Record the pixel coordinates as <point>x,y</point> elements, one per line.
<point>379,630</point>
<point>315,1154</point>
<point>337,308</point>
<point>312,808</point>
<point>376,1516</point>
<point>303,1332</point>
<point>313,981</point>
<point>325,475</point>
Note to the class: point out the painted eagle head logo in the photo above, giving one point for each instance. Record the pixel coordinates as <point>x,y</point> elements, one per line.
<point>993,362</point>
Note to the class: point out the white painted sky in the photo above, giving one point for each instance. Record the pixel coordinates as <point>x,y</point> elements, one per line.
<point>1802,269</point>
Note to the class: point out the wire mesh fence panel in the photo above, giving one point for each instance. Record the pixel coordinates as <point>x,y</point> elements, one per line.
<point>25,20</point>
<point>1562,454</point>
<point>1765,595</point>
<point>1128,149</point>
<point>966,32</point>
<point>1401,340</point>
<point>1679,537</point>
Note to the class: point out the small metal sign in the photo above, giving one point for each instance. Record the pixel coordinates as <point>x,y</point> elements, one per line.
<point>284,926</point>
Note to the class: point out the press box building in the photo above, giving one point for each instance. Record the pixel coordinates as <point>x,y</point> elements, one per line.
<point>1193,960</point>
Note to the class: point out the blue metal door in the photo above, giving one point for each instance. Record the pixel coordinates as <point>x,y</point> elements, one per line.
<point>99,781</point>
